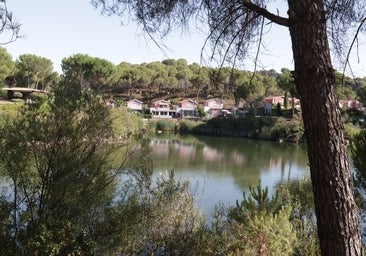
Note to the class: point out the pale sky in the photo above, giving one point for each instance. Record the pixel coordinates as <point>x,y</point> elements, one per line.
<point>58,29</point>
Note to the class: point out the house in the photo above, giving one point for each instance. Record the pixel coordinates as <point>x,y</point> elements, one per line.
<point>162,109</point>
<point>187,109</point>
<point>350,104</point>
<point>272,100</point>
<point>213,107</point>
<point>110,103</point>
<point>135,105</point>
<point>296,104</point>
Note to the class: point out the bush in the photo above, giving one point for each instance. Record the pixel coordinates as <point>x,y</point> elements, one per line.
<point>258,225</point>
<point>187,126</point>
<point>289,130</point>
<point>358,151</point>
<point>124,123</point>
<point>163,125</point>
<point>299,194</point>
<point>164,218</point>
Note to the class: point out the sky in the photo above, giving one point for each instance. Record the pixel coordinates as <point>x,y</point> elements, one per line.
<point>59,29</point>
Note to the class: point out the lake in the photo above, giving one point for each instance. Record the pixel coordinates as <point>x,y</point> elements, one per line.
<point>220,169</point>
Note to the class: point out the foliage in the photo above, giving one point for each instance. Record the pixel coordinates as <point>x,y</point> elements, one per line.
<point>361,92</point>
<point>252,92</point>
<point>263,235</point>
<point>256,203</point>
<point>299,194</point>
<point>260,225</point>
<point>6,65</point>
<point>271,128</point>
<point>162,125</point>
<point>58,175</point>
<point>33,71</point>
<point>289,130</point>
<point>87,72</point>
<point>359,158</point>
<point>124,123</point>
<point>351,130</point>
<point>286,81</point>
<point>186,126</point>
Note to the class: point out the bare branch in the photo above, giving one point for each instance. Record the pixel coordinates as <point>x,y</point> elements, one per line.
<point>257,54</point>
<point>355,38</point>
<point>263,12</point>
<point>8,24</point>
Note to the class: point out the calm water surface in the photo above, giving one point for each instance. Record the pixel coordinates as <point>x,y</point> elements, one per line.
<point>220,169</point>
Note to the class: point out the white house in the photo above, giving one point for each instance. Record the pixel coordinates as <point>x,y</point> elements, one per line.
<point>162,109</point>
<point>187,109</point>
<point>135,105</point>
<point>213,107</point>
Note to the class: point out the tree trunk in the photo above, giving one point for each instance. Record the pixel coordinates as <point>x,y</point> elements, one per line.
<point>336,211</point>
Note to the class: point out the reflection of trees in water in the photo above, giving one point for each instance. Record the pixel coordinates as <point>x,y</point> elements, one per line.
<point>243,159</point>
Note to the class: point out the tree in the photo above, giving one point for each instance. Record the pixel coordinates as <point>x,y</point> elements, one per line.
<point>6,64</point>
<point>361,93</point>
<point>58,173</point>
<point>200,79</point>
<point>33,71</point>
<point>234,27</point>
<point>252,92</point>
<point>128,76</point>
<point>346,86</point>
<point>88,72</point>
<point>286,82</point>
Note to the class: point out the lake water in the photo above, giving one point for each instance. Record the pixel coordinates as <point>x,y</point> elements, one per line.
<point>220,169</point>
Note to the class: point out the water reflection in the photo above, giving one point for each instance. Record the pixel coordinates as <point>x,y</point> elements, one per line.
<point>220,169</point>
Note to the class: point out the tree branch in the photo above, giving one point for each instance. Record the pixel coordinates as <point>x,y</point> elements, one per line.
<point>268,15</point>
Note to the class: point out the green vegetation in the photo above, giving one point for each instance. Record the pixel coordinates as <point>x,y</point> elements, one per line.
<point>124,123</point>
<point>63,196</point>
<point>176,79</point>
<point>169,79</point>
<point>359,158</point>
<point>269,128</point>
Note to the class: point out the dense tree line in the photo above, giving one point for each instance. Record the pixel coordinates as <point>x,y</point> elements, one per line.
<point>170,78</point>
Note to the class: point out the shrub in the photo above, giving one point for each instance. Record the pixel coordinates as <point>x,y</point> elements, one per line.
<point>358,151</point>
<point>259,225</point>
<point>164,125</point>
<point>124,123</point>
<point>187,126</point>
<point>290,130</point>
<point>299,194</point>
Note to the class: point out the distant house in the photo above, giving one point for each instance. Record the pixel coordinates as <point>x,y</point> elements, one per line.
<point>162,109</point>
<point>187,109</point>
<point>272,100</point>
<point>350,104</point>
<point>135,105</point>
<point>213,107</point>
<point>297,103</point>
<point>110,103</point>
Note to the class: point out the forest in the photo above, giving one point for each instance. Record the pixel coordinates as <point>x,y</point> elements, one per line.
<point>168,79</point>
